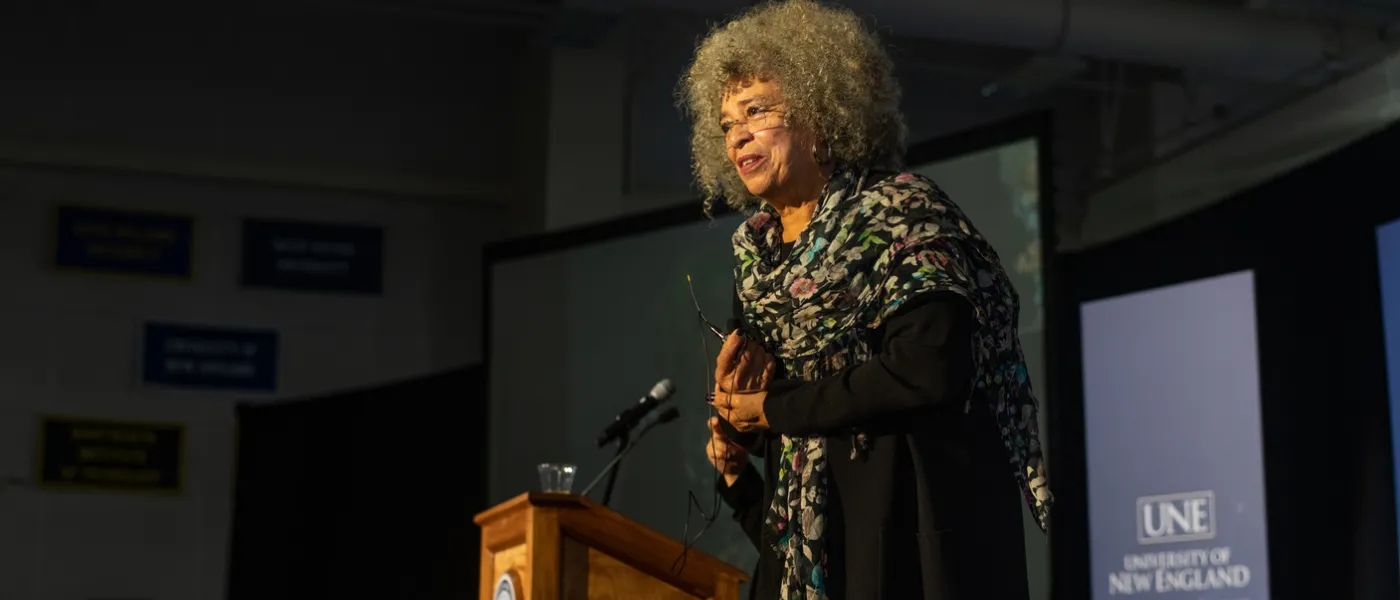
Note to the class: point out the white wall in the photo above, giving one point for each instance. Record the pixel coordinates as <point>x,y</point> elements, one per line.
<point>322,96</point>
<point>73,342</point>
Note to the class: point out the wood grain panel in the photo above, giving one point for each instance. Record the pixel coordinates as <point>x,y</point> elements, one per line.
<point>544,544</point>
<point>566,547</point>
<point>612,579</point>
<point>506,532</point>
<point>513,558</point>
<point>647,550</point>
<point>726,587</point>
<point>575,574</point>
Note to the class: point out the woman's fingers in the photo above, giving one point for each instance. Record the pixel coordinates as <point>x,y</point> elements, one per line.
<point>741,372</point>
<point>724,363</point>
<point>753,348</point>
<point>724,401</point>
<point>723,454</point>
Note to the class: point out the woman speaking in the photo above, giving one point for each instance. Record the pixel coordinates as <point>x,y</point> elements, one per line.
<point>880,370</point>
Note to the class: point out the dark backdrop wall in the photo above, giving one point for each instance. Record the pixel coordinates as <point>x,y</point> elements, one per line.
<point>1309,237</point>
<point>363,494</point>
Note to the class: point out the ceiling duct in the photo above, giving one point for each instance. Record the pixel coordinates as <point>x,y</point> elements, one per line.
<point>1176,33</point>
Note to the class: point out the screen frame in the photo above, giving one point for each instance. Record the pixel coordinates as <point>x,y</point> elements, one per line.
<point>1036,125</point>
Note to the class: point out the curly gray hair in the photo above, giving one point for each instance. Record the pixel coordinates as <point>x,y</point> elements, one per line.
<point>836,80</point>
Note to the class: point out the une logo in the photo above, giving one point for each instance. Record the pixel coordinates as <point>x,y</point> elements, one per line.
<point>1184,517</point>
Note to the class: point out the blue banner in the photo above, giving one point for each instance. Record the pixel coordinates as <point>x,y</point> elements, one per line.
<point>1173,443</point>
<point>313,256</point>
<point>207,357</point>
<point>1388,246</point>
<point>117,241</point>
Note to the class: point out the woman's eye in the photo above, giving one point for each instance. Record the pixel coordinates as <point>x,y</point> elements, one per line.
<point>754,110</point>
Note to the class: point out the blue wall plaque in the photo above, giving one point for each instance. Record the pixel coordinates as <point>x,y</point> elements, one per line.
<point>209,357</point>
<point>117,241</point>
<point>313,256</point>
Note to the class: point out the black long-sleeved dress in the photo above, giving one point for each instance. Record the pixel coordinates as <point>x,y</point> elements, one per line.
<point>931,511</point>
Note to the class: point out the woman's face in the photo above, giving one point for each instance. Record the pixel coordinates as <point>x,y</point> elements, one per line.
<point>775,160</point>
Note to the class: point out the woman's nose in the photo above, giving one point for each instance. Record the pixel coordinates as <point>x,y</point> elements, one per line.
<point>737,136</point>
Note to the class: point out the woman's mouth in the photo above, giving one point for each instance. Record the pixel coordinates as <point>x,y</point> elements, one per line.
<point>748,163</point>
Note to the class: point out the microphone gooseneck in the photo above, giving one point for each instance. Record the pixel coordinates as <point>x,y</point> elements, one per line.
<point>627,420</point>
<point>646,425</point>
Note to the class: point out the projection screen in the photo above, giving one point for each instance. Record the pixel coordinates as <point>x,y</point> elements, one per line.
<point>578,333</point>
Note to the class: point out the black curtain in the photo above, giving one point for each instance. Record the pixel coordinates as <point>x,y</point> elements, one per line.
<point>362,494</point>
<point>1309,236</point>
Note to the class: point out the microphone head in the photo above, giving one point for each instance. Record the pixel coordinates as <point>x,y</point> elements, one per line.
<point>662,390</point>
<point>668,415</point>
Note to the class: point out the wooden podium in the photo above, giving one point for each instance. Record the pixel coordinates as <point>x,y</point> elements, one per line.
<point>567,547</point>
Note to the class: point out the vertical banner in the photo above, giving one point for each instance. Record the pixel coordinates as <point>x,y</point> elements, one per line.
<point>1388,247</point>
<point>315,257</point>
<point>210,357</point>
<point>129,242</point>
<point>1173,441</point>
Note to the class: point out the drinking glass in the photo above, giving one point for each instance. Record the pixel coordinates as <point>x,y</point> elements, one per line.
<point>556,477</point>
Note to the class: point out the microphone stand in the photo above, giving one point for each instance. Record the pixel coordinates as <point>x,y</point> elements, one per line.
<point>623,445</point>
<point>623,448</point>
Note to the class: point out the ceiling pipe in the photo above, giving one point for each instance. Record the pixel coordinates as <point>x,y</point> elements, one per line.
<point>480,16</point>
<point>1173,33</point>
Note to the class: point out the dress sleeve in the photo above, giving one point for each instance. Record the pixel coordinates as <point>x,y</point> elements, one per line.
<point>925,358</point>
<point>745,497</point>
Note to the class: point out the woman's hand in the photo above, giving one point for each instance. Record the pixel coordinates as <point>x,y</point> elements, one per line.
<point>743,411</point>
<point>727,457</point>
<point>743,367</point>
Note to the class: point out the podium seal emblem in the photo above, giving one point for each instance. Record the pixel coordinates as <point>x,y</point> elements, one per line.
<point>507,588</point>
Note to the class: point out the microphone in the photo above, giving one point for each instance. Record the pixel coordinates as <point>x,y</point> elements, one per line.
<point>627,419</point>
<point>666,416</point>
<point>671,413</point>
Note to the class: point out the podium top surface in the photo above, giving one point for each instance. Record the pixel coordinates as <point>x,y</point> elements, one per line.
<point>604,527</point>
<point>535,499</point>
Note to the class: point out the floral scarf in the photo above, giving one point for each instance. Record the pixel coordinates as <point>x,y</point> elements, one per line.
<point>866,252</point>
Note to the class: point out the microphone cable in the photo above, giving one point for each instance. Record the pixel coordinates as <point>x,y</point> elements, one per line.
<point>693,501</point>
